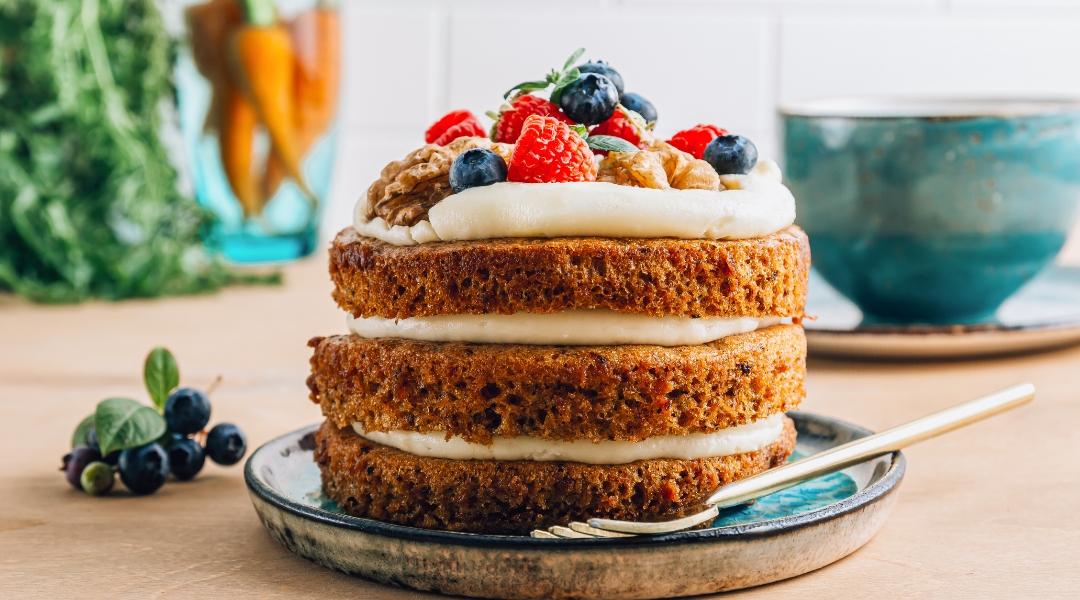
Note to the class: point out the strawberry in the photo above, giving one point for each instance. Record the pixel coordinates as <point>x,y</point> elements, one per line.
<point>548,151</point>
<point>509,121</point>
<point>620,125</point>
<point>695,139</point>
<point>468,128</point>
<point>437,132</point>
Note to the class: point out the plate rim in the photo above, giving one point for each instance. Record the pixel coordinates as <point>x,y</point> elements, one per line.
<point>887,484</point>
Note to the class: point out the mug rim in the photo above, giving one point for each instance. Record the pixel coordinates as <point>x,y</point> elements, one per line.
<point>927,107</point>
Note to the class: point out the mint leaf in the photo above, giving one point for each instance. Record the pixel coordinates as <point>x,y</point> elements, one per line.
<point>573,58</point>
<point>123,423</point>
<point>525,87</point>
<point>581,130</point>
<point>610,143</point>
<point>79,437</point>
<point>564,80</point>
<point>161,375</point>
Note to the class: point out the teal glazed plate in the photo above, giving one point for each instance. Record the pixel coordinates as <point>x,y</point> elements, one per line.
<point>1043,315</point>
<point>783,535</point>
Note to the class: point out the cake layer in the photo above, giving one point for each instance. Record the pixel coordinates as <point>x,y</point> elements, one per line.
<point>515,497</point>
<point>695,278</point>
<point>558,392</point>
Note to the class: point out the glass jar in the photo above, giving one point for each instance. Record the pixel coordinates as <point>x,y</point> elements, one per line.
<point>257,88</point>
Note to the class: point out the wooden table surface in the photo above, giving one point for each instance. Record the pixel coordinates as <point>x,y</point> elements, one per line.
<point>992,510</point>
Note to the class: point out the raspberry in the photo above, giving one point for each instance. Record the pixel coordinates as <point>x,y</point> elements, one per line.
<point>448,120</point>
<point>508,127</point>
<point>695,139</point>
<point>548,151</point>
<point>621,127</point>
<point>470,127</point>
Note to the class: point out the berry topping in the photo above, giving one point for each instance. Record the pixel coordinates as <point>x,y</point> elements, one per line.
<point>638,104</point>
<point>589,100</point>
<point>97,478</point>
<point>186,458</point>
<point>468,128</point>
<point>695,139</point>
<point>187,411</point>
<point>508,123</point>
<point>620,125</point>
<point>548,151</point>
<point>602,68</point>
<point>447,121</point>
<point>226,444</point>
<point>143,469</point>
<point>475,168</point>
<point>731,155</point>
<point>75,463</point>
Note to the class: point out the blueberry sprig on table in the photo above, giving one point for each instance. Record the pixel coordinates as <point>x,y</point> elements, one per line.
<point>143,444</point>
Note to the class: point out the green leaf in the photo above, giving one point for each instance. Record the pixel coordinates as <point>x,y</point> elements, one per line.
<point>564,80</point>
<point>161,375</point>
<point>610,143</point>
<point>524,87</point>
<point>123,423</point>
<point>573,58</point>
<point>492,115</point>
<point>79,437</point>
<point>581,130</point>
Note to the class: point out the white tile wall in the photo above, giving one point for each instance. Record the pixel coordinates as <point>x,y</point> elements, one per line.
<point>728,62</point>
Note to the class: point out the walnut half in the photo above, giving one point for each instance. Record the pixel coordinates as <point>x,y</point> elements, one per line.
<point>664,167</point>
<point>408,188</point>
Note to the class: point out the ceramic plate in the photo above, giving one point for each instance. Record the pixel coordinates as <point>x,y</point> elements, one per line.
<point>783,535</point>
<point>1044,314</point>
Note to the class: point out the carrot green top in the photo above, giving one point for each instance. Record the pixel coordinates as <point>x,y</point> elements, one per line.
<point>260,12</point>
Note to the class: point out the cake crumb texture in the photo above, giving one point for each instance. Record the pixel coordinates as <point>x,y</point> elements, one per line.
<point>514,497</point>
<point>558,392</point>
<point>697,278</point>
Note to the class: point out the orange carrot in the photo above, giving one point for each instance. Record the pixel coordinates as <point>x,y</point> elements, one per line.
<point>317,43</point>
<point>235,140</point>
<point>261,56</point>
<point>209,25</point>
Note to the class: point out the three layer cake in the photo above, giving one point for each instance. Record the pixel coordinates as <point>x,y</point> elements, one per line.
<point>526,353</point>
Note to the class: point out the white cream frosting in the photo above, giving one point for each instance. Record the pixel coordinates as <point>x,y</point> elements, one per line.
<point>734,440</point>
<point>580,327</point>
<point>755,205</point>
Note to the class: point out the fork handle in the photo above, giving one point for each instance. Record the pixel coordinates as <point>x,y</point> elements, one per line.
<point>879,444</point>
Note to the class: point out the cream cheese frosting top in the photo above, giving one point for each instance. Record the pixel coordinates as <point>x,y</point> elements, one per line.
<point>733,440</point>
<point>580,327</point>
<point>754,205</point>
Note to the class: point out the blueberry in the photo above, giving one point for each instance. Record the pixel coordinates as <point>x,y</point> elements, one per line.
<point>187,411</point>
<point>638,104</point>
<point>602,68</point>
<point>186,458</point>
<point>75,462</point>
<point>731,154</point>
<point>97,478</point>
<point>226,444</point>
<point>92,441</point>
<point>143,469</point>
<point>590,100</point>
<point>475,168</point>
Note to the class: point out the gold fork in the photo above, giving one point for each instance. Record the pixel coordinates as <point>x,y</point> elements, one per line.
<point>823,463</point>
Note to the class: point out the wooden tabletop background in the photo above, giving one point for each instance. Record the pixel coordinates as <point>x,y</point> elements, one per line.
<point>992,510</point>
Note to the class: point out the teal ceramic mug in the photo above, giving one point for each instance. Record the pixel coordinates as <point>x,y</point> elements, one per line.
<point>928,211</point>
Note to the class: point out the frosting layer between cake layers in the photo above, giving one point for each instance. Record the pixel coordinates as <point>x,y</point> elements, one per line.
<point>733,440</point>
<point>759,206</point>
<point>580,327</point>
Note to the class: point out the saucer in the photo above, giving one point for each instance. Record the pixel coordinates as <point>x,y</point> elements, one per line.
<point>1042,315</point>
<point>782,535</point>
